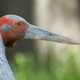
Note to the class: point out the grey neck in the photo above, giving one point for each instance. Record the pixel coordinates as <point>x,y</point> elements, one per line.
<point>5,71</point>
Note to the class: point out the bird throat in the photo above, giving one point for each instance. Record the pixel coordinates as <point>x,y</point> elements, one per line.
<point>11,43</point>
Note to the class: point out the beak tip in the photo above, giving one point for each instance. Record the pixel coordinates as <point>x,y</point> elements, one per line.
<point>75,43</point>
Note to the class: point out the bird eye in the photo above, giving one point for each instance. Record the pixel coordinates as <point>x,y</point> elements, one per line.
<point>18,24</point>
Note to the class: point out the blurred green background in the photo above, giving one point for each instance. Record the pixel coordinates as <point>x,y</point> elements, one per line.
<point>42,60</point>
<point>26,67</point>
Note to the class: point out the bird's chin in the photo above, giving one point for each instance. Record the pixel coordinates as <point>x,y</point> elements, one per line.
<point>11,43</point>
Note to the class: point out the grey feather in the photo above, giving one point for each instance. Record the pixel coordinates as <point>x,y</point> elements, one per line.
<point>5,71</point>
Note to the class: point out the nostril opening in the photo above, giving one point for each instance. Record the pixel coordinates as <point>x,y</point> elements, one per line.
<point>50,34</point>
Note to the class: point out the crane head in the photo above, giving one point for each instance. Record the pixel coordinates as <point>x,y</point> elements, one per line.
<point>14,28</point>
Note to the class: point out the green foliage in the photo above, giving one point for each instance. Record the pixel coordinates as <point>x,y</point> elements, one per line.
<point>26,67</point>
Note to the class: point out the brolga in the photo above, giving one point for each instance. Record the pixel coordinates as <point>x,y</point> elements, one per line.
<point>14,28</point>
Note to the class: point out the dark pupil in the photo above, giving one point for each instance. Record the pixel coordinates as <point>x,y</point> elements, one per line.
<point>18,24</point>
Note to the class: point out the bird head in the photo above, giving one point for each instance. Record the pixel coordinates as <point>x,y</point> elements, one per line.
<point>14,28</point>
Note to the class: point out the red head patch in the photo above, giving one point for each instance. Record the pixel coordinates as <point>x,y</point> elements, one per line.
<point>12,29</point>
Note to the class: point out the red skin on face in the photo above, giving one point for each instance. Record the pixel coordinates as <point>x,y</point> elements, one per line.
<point>15,33</point>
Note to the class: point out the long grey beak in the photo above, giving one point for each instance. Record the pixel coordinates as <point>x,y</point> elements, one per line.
<point>34,32</point>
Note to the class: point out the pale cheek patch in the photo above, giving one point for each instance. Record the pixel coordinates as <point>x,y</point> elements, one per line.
<point>5,28</point>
